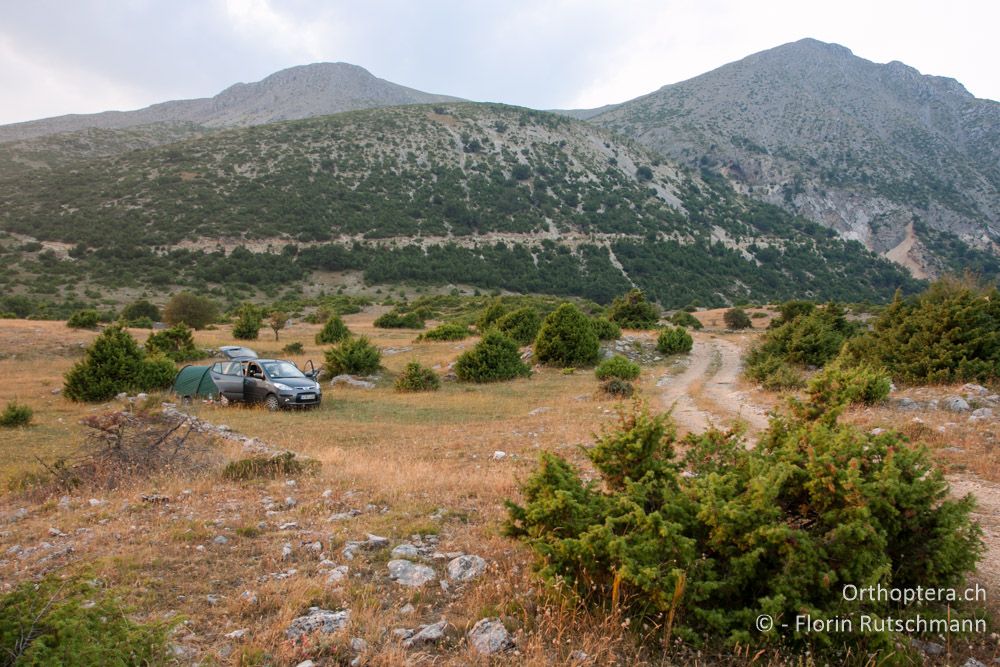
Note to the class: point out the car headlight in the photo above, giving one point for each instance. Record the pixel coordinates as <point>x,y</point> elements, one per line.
<point>282,387</point>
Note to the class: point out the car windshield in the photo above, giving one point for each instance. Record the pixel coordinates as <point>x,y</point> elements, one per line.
<point>282,369</point>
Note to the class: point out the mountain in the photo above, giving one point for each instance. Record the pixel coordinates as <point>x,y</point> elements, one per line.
<point>319,89</point>
<point>491,196</point>
<point>905,163</point>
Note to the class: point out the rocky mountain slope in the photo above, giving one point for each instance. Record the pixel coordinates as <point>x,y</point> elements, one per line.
<point>905,163</point>
<point>483,195</point>
<point>312,90</point>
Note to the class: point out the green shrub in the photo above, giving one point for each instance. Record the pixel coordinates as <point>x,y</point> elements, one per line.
<point>354,356</point>
<point>736,318</point>
<point>778,529</point>
<point>566,338</point>
<point>488,316</point>
<point>249,320</point>
<point>195,311</point>
<point>177,343</point>
<point>772,372</point>
<point>333,331</point>
<point>839,386</point>
<point>618,388</point>
<point>617,366</point>
<point>84,319</point>
<point>789,310</point>
<point>293,348</point>
<point>141,310</point>
<point>682,318</point>
<point>804,335</point>
<point>269,467</point>
<point>57,621</point>
<point>140,323</point>
<point>949,333</point>
<point>606,329</point>
<point>633,311</point>
<point>16,414</point>
<point>115,363</point>
<point>674,340</point>
<point>446,332</point>
<point>520,325</point>
<point>417,378</point>
<point>494,358</point>
<point>397,320</point>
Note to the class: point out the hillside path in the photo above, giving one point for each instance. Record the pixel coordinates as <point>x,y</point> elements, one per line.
<point>706,392</point>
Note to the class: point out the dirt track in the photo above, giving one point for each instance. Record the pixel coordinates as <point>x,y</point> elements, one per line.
<point>706,392</point>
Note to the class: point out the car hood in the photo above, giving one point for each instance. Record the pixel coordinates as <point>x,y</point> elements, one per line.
<point>298,383</point>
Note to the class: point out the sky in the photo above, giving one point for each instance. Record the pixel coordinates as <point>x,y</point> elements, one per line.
<point>84,56</point>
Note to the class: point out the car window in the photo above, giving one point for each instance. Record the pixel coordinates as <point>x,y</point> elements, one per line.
<point>282,369</point>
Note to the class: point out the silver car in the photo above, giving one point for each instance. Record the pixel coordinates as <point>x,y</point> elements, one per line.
<point>274,382</point>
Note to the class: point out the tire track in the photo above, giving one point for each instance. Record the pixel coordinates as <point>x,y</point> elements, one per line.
<point>705,393</point>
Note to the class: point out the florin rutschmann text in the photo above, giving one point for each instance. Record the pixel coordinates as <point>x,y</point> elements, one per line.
<point>877,623</point>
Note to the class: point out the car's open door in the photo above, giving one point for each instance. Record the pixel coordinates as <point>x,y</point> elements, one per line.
<point>228,377</point>
<point>312,372</point>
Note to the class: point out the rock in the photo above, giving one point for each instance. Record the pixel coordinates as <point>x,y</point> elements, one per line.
<point>408,608</point>
<point>956,404</point>
<point>908,404</point>
<point>290,502</point>
<point>972,662</point>
<point>402,633</point>
<point>982,413</point>
<point>579,656</point>
<point>237,634</point>
<point>466,568</point>
<point>358,645</point>
<point>328,493</point>
<point>213,599</point>
<point>221,539</point>
<point>930,648</point>
<point>351,381</point>
<point>56,392</point>
<point>427,634</point>
<point>289,525</point>
<point>306,663</point>
<point>343,516</point>
<point>973,389</point>
<point>538,411</point>
<point>55,532</point>
<point>318,620</point>
<point>405,550</point>
<point>499,455</point>
<point>376,541</point>
<point>337,575</point>
<point>489,636</point>
<point>64,503</point>
<point>286,551</point>
<point>94,502</point>
<point>405,573</point>
<point>313,546</point>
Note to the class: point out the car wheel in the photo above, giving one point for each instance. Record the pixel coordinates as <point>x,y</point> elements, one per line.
<point>271,402</point>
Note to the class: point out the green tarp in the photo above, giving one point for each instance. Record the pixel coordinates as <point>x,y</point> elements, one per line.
<point>196,382</point>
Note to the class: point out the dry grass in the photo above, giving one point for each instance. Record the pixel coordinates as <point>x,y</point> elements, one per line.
<point>414,463</point>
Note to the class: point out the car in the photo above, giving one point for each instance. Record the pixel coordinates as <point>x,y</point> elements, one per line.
<point>275,383</point>
<point>237,352</point>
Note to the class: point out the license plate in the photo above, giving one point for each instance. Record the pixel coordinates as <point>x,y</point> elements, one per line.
<point>306,397</point>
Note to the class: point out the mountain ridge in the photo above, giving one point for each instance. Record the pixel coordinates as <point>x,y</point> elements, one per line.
<point>868,149</point>
<point>304,91</point>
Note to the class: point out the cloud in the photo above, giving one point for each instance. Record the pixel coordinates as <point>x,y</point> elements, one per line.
<point>89,55</point>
